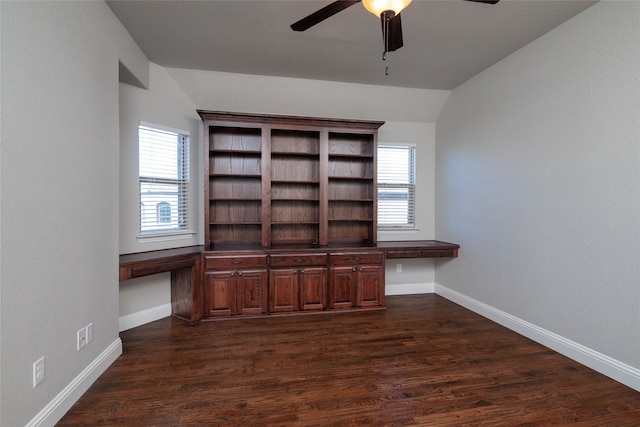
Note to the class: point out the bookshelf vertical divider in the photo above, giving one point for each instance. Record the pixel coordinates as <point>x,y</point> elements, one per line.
<point>266,186</point>
<point>324,192</point>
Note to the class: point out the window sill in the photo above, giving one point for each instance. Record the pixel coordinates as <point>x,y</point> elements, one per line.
<point>164,237</point>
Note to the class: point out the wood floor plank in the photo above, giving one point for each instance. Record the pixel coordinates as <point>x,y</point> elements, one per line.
<point>423,362</point>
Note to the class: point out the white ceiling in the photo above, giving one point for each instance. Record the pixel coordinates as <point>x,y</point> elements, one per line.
<point>445,42</point>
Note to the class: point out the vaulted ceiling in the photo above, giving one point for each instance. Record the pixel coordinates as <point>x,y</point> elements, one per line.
<point>445,42</point>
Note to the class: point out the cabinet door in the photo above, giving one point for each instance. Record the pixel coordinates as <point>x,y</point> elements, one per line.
<point>369,287</point>
<point>220,294</point>
<point>251,292</point>
<point>283,288</point>
<point>342,287</point>
<point>313,283</point>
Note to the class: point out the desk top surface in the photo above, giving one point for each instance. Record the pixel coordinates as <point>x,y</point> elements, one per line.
<point>189,251</point>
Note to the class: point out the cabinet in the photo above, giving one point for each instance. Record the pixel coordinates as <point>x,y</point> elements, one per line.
<point>356,280</point>
<point>297,282</point>
<point>290,208</point>
<point>211,284</point>
<point>277,181</point>
<point>235,285</point>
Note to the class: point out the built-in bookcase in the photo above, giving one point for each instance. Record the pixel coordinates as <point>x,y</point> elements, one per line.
<point>276,181</point>
<point>295,187</point>
<point>352,177</point>
<point>235,184</point>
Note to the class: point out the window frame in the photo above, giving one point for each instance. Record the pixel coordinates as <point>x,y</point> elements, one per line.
<point>184,189</point>
<point>410,225</point>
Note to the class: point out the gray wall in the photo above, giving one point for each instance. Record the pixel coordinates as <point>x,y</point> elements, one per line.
<point>163,103</point>
<point>538,178</point>
<point>59,212</point>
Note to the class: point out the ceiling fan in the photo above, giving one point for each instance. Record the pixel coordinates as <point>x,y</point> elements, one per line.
<point>387,10</point>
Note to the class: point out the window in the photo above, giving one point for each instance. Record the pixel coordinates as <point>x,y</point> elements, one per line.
<point>164,180</point>
<point>164,212</point>
<point>396,186</point>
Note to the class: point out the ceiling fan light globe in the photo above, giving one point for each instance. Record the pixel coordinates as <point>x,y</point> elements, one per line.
<point>377,7</point>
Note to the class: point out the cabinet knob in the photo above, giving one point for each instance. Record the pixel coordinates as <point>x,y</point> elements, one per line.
<point>353,269</point>
<point>233,274</point>
<point>239,273</point>
<point>302,270</point>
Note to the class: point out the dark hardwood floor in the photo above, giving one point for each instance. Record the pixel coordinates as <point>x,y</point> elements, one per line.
<point>424,361</point>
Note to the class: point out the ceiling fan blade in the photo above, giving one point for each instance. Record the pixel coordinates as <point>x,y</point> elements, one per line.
<point>485,1</point>
<point>322,14</point>
<point>394,33</point>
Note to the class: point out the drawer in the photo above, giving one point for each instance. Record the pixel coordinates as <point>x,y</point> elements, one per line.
<point>293,260</point>
<point>404,254</point>
<point>357,258</point>
<point>235,262</point>
<point>440,253</point>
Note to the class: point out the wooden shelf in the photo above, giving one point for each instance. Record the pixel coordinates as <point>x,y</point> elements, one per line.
<point>351,178</point>
<point>351,156</point>
<point>295,200</point>
<point>293,154</point>
<point>235,176</point>
<point>274,223</point>
<point>247,153</point>
<point>283,181</point>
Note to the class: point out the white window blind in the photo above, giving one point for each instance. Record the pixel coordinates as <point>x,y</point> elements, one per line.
<point>164,180</point>
<point>396,186</point>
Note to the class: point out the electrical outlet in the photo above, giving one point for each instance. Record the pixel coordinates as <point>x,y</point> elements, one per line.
<point>398,268</point>
<point>82,338</point>
<point>89,333</point>
<point>38,371</point>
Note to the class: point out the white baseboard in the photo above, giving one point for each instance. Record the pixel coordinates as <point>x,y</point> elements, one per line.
<point>145,316</point>
<point>55,410</point>
<point>409,289</point>
<point>621,372</point>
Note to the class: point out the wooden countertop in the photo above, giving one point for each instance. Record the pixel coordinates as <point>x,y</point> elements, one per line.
<point>153,262</point>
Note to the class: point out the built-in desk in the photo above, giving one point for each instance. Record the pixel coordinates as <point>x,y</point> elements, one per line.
<point>188,267</point>
<point>418,249</point>
<point>184,265</point>
<point>154,262</point>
